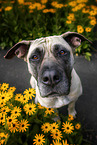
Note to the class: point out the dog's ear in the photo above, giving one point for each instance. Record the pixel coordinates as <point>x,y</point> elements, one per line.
<point>20,50</point>
<point>74,39</point>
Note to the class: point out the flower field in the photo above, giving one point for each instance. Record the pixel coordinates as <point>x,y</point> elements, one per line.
<point>30,19</point>
<point>22,122</point>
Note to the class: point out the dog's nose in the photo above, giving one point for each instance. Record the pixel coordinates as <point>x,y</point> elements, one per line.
<point>51,77</point>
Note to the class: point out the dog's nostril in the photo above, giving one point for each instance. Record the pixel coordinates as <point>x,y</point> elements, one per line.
<point>45,79</point>
<point>56,78</point>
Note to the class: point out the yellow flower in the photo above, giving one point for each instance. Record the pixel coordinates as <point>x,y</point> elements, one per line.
<point>30,108</point>
<point>75,9</point>
<point>44,1</point>
<point>72,3</point>
<point>78,126</point>
<point>31,7</point>
<point>93,22</point>
<point>57,135</point>
<point>49,111</point>
<point>23,125</point>
<point>9,95</point>
<point>11,119</point>
<point>70,117</point>
<point>11,89</point>
<point>65,143</point>
<point>2,103</point>
<point>18,97</point>
<point>16,111</point>
<point>71,17</point>
<point>2,118</point>
<point>80,29</point>
<point>3,97</point>
<point>54,3</point>
<point>68,127</point>
<point>24,99</point>
<point>85,10</point>
<point>68,22</point>
<point>13,127</point>
<point>52,10</point>
<point>88,29</point>
<point>30,93</point>
<point>54,127</point>
<point>5,110</point>
<point>21,1</point>
<point>4,86</point>
<point>39,139</point>
<point>3,136</point>
<point>46,127</point>
<point>93,12</point>
<point>8,8</point>
<point>56,142</point>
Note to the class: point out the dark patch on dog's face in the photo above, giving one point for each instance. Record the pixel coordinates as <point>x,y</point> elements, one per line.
<point>51,67</point>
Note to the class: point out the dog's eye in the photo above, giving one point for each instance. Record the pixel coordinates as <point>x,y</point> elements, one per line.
<point>34,57</point>
<point>62,52</point>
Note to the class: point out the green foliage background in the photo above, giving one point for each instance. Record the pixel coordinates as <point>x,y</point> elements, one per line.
<point>23,23</point>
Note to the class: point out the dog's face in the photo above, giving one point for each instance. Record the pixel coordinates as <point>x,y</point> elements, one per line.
<point>50,61</point>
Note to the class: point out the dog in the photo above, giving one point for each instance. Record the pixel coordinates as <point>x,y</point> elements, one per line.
<point>51,64</point>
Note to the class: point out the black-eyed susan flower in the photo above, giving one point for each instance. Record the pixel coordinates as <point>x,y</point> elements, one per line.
<point>54,127</point>
<point>93,22</point>
<point>13,127</point>
<point>11,119</point>
<point>21,1</point>
<point>49,111</point>
<point>2,118</point>
<point>68,127</point>
<point>71,17</point>
<point>3,96</point>
<point>44,1</point>
<point>70,117</point>
<point>46,127</point>
<point>30,93</point>
<point>68,22</point>
<point>18,97</point>
<point>3,137</point>
<point>4,86</point>
<point>80,29</point>
<point>23,125</point>
<point>39,139</point>
<point>16,111</point>
<point>65,142</point>
<point>11,89</point>
<point>78,126</point>
<point>30,108</point>
<point>9,96</point>
<point>24,99</point>
<point>88,29</point>
<point>5,110</point>
<point>56,142</point>
<point>2,103</point>
<point>57,135</point>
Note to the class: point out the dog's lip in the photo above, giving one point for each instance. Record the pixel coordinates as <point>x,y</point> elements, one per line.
<point>53,94</point>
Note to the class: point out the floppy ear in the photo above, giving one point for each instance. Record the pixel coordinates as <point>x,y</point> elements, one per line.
<point>74,39</point>
<point>20,50</point>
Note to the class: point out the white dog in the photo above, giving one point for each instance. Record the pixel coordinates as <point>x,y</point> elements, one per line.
<point>50,61</point>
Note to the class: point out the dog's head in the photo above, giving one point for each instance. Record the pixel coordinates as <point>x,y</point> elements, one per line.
<point>50,61</point>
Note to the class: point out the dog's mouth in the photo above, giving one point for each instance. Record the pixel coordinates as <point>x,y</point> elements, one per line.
<point>52,94</point>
